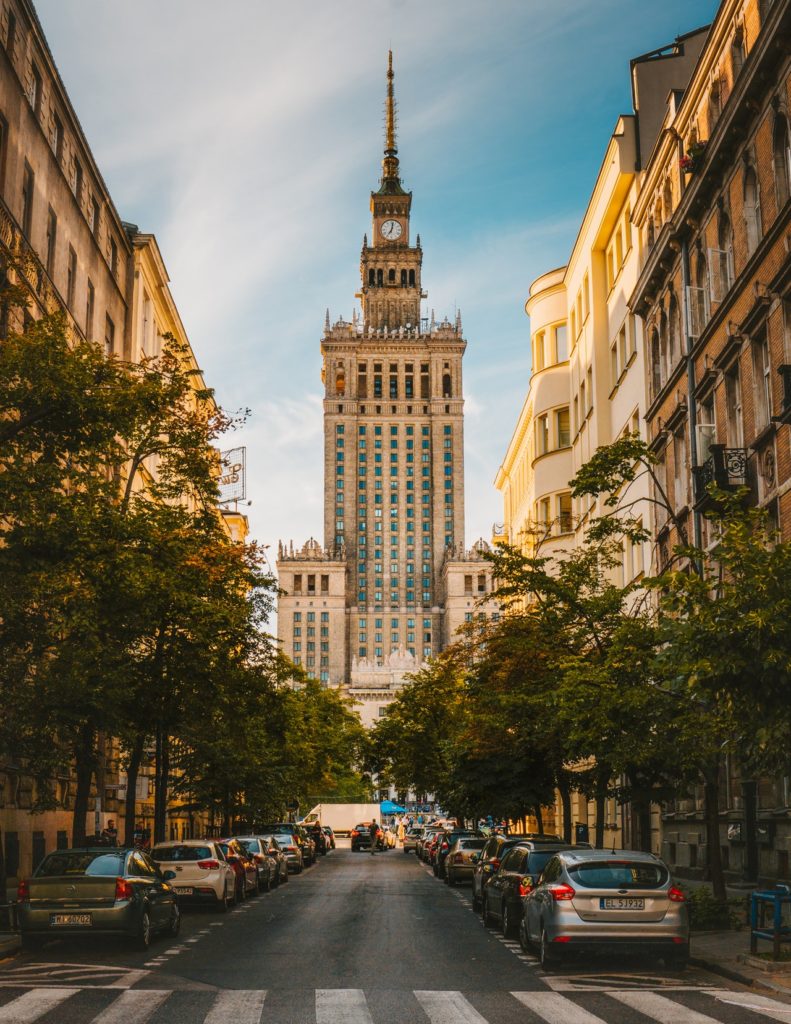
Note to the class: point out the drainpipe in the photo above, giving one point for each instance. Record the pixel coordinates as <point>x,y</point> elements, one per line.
<point>692,406</point>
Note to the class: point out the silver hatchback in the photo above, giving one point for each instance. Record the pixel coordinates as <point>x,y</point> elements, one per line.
<point>598,900</point>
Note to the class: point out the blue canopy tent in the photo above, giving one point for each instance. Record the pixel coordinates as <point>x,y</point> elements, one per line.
<point>388,807</point>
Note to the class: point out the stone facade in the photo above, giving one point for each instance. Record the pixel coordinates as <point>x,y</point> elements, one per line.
<point>393,467</point>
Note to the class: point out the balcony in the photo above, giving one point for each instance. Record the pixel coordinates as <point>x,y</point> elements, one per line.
<point>726,468</point>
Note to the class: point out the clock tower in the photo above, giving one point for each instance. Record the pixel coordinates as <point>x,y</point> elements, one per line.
<point>390,266</point>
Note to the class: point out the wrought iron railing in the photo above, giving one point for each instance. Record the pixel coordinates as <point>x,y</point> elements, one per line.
<point>726,468</point>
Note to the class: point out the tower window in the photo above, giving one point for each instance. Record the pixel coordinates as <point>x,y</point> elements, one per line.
<point>424,382</point>
<point>403,278</point>
<point>371,276</point>
<point>391,275</point>
<point>446,387</point>
<point>411,278</point>
<point>380,276</point>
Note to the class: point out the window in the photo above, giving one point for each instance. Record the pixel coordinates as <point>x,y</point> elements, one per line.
<point>52,235</point>
<point>782,160</point>
<point>752,210</point>
<point>28,186</point>
<point>35,90</point>
<point>541,350</point>
<point>542,434</point>
<point>561,343</point>
<point>77,180</point>
<point>56,137</point>
<point>544,513</point>
<point>109,338</point>
<point>733,402</point>
<point>11,36</point>
<point>113,257</point>
<point>446,386</point>
<point>737,52</point>
<point>761,377</point>
<point>90,303</point>
<point>680,467</point>
<point>71,278</point>
<point>564,513</point>
<point>563,428</point>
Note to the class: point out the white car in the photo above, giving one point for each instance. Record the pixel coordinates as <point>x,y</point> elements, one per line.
<point>203,875</point>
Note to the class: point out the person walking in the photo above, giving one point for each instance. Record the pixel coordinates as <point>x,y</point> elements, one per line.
<point>374,830</point>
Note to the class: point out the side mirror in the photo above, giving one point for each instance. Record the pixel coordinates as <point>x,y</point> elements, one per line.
<point>167,876</point>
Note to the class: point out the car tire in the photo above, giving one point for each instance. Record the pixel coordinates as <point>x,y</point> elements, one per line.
<point>546,955</point>
<point>476,901</point>
<point>284,878</point>
<point>488,919</point>
<point>144,931</point>
<point>524,939</point>
<point>300,868</point>
<point>509,926</point>
<point>175,922</point>
<point>234,898</point>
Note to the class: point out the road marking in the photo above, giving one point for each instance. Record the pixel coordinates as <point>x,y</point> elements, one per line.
<point>448,1008</point>
<point>556,1009</point>
<point>661,1009</point>
<point>243,1006</point>
<point>759,1004</point>
<point>129,979</point>
<point>341,1004</point>
<point>132,1007</point>
<point>34,1004</point>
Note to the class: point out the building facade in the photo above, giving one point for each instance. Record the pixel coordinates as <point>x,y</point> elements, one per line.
<point>370,605</point>
<point>714,292</point>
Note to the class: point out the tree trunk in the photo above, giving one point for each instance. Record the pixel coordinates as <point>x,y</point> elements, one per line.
<point>714,873</point>
<point>539,818</point>
<point>602,782</point>
<point>226,811</point>
<point>132,773</point>
<point>644,825</point>
<point>85,757</point>
<point>161,785</point>
<point>565,799</point>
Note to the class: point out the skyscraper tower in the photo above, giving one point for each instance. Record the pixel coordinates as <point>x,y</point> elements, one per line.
<point>380,590</point>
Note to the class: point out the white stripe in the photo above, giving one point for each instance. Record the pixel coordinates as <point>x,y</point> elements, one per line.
<point>242,1006</point>
<point>129,979</point>
<point>132,1007</point>
<point>660,1009</point>
<point>348,1005</point>
<point>34,1004</point>
<point>556,1009</point>
<point>758,1004</point>
<point>448,1008</point>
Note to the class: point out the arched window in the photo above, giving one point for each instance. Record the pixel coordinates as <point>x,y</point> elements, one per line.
<point>656,363</point>
<point>722,274</point>
<point>411,278</point>
<point>379,276</point>
<point>782,160</point>
<point>663,349</point>
<point>340,382</point>
<point>446,388</point>
<point>674,331</point>
<point>391,275</point>
<point>667,199</point>
<point>403,278</point>
<point>752,210</point>
<point>699,298</point>
<point>371,276</point>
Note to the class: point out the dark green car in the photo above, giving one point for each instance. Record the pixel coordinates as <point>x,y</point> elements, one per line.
<point>97,891</point>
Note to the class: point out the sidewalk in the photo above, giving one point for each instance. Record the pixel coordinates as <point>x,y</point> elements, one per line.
<point>719,952</point>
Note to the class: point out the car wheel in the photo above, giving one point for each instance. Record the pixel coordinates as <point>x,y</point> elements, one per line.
<point>144,931</point>
<point>269,885</point>
<point>476,901</point>
<point>524,941</point>
<point>488,920</point>
<point>509,925</point>
<point>435,869</point>
<point>299,868</point>
<point>284,877</point>
<point>175,922</point>
<point>547,955</point>
<point>234,898</point>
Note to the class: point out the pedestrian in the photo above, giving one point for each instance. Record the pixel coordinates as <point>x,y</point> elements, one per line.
<point>374,833</point>
<point>110,834</point>
<point>401,831</point>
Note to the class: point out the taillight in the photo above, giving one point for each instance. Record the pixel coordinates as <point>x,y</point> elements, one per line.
<point>123,889</point>
<point>354,832</point>
<point>22,891</point>
<point>458,858</point>
<point>676,895</point>
<point>525,886</point>
<point>208,865</point>
<point>293,849</point>
<point>444,846</point>
<point>562,892</point>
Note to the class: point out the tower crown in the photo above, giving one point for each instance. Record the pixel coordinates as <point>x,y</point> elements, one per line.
<point>391,182</point>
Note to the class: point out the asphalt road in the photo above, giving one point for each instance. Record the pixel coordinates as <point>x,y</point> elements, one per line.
<point>355,940</point>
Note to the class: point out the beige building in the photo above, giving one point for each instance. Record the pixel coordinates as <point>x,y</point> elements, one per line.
<point>374,595</point>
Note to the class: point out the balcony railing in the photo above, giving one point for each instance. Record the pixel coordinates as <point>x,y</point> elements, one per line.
<point>726,468</point>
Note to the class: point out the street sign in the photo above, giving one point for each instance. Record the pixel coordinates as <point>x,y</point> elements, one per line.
<point>233,478</point>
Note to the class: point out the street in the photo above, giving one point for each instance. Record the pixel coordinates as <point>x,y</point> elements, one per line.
<point>357,940</point>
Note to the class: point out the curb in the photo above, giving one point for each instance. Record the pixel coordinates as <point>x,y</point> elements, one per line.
<point>741,979</point>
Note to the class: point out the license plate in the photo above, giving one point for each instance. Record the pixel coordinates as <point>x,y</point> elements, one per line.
<point>622,903</point>
<point>184,890</point>
<point>83,920</point>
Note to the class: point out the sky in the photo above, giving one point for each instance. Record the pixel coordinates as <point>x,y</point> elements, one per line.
<point>247,136</point>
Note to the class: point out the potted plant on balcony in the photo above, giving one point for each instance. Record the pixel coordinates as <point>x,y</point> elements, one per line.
<point>692,160</point>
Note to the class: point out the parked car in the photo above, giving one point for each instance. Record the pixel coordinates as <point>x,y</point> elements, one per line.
<point>517,874</point>
<point>330,836</point>
<point>412,837</point>
<point>361,837</point>
<point>598,900</point>
<point>300,838</point>
<point>492,854</point>
<point>97,891</point>
<point>265,866</point>
<point>291,850</point>
<point>446,840</point>
<point>430,846</point>
<point>309,849</point>
<point>202,873</point>
<point>278,858</point>
<point>244,867</point>
<point>460,862</point>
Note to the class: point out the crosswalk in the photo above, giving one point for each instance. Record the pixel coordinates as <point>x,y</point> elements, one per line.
<point>109,1005</point>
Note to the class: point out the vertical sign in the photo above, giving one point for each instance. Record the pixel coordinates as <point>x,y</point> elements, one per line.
<point>233,476</point>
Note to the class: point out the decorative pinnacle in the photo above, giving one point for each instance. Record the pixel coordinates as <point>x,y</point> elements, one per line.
<point>327,319</point>
<point>390,132</point>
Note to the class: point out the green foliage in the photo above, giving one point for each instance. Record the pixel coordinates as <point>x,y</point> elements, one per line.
<point>707,913</point>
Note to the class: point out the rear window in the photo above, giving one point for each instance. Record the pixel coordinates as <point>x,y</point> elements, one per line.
<point>251,845</point>
<point>81,863</point>
<point>472,844</point>
<point>181,853</point>
<point>536,862</point>
<point>285,838</point>
<point>619,874</point>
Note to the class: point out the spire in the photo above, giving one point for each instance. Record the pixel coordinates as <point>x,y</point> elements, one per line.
<point>391,182</point>
<point>327,320</point>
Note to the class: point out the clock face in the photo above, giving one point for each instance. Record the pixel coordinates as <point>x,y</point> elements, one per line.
<point>391,229</point>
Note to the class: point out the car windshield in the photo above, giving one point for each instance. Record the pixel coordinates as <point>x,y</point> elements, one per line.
<point>178,853</point>
<point>285,838</point>
<point>82,862</point>
<point>619,874</point>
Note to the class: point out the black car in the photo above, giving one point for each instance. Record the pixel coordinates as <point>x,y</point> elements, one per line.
<point>517,874</point>
<point>492,854</point>
<point>316,833</point>
<point>445,843</point>
<point>361,837</point>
